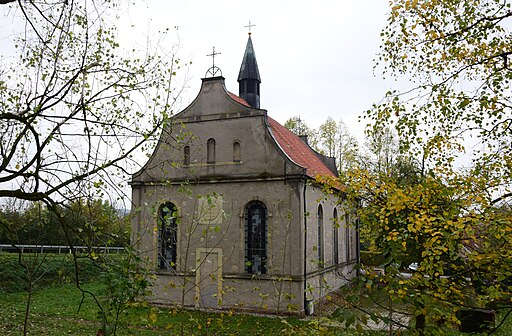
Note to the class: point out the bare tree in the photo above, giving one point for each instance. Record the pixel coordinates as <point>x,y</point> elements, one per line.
<point>74,109</point>
<point>77,109</point>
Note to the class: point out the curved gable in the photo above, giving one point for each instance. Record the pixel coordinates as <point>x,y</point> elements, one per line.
<point>214,101</point>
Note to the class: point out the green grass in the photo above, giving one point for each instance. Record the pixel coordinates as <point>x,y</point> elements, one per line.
<point>57,307</point>
<point>52,270</point>
<point>55,312</point>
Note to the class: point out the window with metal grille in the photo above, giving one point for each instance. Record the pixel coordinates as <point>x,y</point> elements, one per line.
<point>256,238</point>
<point>167,236</point>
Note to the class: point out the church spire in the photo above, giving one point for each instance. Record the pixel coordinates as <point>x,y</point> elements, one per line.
<point>249,76</point>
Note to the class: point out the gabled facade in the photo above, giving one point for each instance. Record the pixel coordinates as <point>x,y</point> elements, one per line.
<point>228,213</point>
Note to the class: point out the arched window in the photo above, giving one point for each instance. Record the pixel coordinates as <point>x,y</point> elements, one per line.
<point>347,235</point>
<point>236,152</point>
<point>320,231</point>
<point>256,238</point>
<point>335,240</point>
<point>186,155</point>
<point>167,236</point>
<point>210,147</point>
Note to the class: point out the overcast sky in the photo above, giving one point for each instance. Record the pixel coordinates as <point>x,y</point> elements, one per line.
<point>315,58</point>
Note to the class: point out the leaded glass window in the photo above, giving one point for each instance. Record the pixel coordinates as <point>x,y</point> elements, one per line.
<point>256,238</point>
<point>167,236</point>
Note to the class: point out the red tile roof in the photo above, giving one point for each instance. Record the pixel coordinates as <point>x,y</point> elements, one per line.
<point>238,99</point>
<point>298,151</point>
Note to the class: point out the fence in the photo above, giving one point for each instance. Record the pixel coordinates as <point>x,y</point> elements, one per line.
<point>58,249</point>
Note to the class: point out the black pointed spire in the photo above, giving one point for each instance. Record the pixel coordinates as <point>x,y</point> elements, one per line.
<point>249,77</point>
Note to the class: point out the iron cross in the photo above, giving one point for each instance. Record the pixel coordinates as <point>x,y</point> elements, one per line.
<point>213,54</point>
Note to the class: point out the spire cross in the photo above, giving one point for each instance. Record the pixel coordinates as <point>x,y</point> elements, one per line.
<point>249,26</point>
<point>213,54</point>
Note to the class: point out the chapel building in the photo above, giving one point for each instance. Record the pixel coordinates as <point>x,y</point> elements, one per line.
<point>228,213</point>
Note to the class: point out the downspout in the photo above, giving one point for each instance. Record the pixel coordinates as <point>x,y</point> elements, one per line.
<point>306,303</point>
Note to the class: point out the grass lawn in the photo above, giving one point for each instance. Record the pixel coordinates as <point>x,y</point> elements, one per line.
<point>54,312</point>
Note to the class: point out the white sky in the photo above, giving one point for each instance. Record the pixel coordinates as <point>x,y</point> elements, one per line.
<point>315,58</point>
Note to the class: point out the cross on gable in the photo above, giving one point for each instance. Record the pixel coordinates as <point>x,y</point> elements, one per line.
<point>213,54</point>
<point>213,71</point>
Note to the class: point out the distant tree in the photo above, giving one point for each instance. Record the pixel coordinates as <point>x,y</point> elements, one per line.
<point>328,133</point>
<point>347,149</point>
<point>299,127</point>
<point>336,141</point>
<point>10,218</point>
<point>96,223</point>
<point>91,223</point>
<point>382,151</point>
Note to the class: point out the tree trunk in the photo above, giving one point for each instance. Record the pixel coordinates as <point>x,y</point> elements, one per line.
<point>27,308</point>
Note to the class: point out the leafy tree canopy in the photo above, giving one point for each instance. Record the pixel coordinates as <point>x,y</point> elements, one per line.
<point>83,222</point>
<point>445,202</point>
<point>457,53</point>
